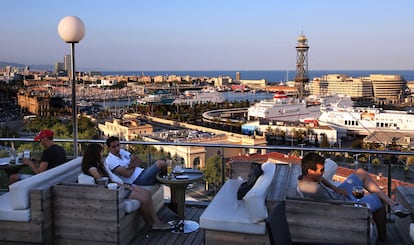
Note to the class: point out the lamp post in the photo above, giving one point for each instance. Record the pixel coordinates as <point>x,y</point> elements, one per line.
<point>356,160</point>
<point>301,151</point>
<point>71,29</point>
<point>221,154</point>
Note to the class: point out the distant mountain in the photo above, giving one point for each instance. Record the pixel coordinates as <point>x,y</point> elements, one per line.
<point>4,64</point>
<point>32,67</point>
<point>42,67</point>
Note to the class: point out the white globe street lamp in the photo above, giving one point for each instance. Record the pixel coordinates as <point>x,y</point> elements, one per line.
<point>71,29</point>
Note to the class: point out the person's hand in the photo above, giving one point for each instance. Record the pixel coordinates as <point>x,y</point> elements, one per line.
<point>128,187</point>
<point>135,161</point>
<point>26,161</point>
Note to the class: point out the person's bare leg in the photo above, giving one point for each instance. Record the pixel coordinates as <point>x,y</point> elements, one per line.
<point>372,186</point>
<point>147,207</point>
<point>145,211</point>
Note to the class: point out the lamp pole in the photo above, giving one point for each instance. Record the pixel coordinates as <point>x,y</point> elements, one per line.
<point>221,154</point>
<point>356,160</point>
<point>301,151</point>
<point>71,29</point>
<point>74,107</point>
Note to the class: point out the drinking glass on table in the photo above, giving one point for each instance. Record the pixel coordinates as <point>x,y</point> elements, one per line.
<point>358,193</point>
<point>169,167</point>
<point>26,154</point>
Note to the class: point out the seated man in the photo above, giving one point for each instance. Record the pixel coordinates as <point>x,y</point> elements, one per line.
<point>120,163</point>
<point>52,156</point>
<point>313,185</point>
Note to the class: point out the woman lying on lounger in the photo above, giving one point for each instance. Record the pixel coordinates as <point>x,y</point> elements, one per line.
<point>92,165</point>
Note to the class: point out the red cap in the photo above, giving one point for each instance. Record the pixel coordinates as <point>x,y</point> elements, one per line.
<point>46,133</point>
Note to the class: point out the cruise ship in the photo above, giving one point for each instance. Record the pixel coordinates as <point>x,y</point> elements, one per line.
<point>365,120</point>
<point>283,108</point>
<point>191,97</point>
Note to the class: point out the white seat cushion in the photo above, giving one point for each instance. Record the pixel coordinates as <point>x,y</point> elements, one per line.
<point>255,199</point>
<point>131,205</point>
<point>7,213</point>
<point>226,213</point>
<point>86,179</point>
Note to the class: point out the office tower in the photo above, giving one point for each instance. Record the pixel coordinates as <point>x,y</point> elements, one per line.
<point>67,64</point>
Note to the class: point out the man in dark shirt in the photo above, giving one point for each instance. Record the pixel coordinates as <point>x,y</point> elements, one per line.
<point>52,156</point>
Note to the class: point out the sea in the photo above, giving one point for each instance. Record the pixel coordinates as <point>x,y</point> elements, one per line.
<point>272,77</point>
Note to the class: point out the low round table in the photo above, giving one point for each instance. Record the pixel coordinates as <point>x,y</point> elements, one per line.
<point>178,185</point>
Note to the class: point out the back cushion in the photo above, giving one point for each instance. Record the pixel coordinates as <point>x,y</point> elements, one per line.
<point>330,168</point>
<point>256,197</point>
<point>254,174</point>
<point>19,191</point>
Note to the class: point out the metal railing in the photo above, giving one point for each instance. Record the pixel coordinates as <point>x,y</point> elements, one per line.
<point>227,151</point>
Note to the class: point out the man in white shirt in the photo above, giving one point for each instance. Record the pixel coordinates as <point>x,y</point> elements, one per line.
<point>121,163</point>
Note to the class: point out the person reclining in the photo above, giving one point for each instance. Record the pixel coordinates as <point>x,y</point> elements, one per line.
<point>313,185</point>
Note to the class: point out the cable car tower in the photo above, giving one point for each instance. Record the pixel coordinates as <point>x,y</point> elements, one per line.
<point>301,76</point>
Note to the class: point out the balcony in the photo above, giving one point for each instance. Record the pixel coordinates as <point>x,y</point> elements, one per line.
<point>196,155</point>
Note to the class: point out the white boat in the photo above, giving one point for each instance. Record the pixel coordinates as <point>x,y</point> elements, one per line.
<point>158,97</point>
<point>365,120</point>
<point>191,97</point>
<point>283,108</point>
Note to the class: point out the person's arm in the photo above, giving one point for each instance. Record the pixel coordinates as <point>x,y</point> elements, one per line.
<point>42,166</point>
<point>124,171</point>
<point>333,187</point>
<point>128,171</point>
<point>95,174</point>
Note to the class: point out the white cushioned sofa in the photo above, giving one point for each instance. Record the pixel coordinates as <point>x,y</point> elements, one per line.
<point>240,221</point>
<point>227,220</point>
<point>26,210</point>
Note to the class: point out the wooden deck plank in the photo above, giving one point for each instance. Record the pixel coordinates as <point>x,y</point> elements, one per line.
<point>161,237</point>
<point>197,238</point>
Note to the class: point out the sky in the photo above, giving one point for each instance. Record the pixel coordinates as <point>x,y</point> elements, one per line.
<point>138,35</point>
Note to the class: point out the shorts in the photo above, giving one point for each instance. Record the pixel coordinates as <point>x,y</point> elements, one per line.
<point>371,199</point>
<point>148,176</point>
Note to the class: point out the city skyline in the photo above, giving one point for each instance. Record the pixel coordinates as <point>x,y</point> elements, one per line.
<point>213,35</point>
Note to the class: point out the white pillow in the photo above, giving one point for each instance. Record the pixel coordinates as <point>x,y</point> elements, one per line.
<point>131,205</point>
<point>330,168</point>
<point>255,199</point>
<point>85,179</point>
